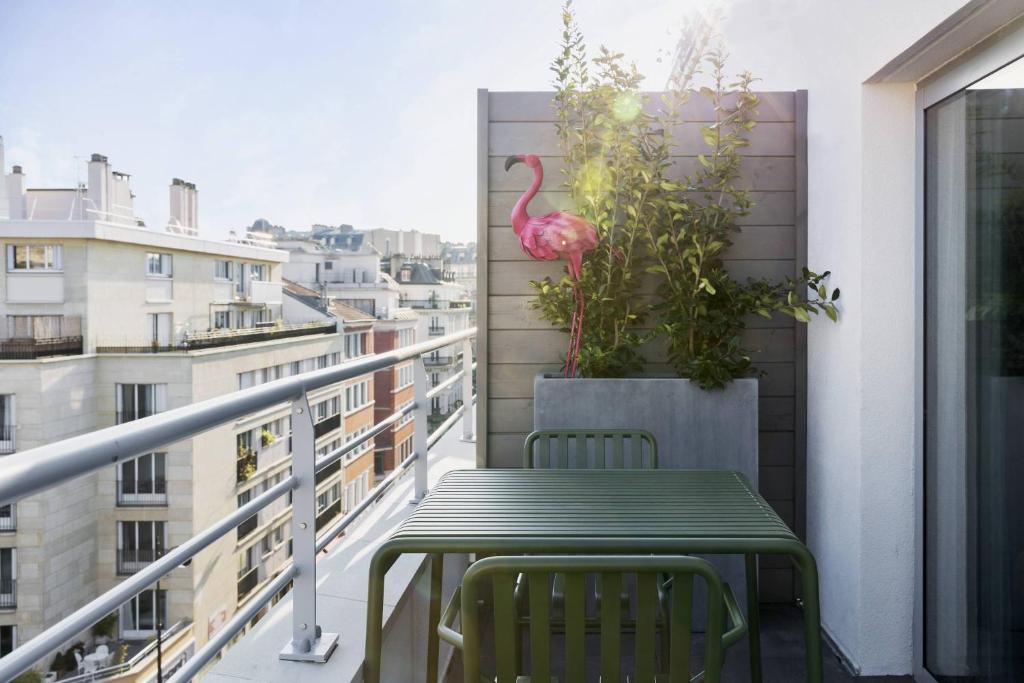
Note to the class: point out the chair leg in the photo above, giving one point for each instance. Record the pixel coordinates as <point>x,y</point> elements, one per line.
<point>433,643</point>
<point>753,619</point>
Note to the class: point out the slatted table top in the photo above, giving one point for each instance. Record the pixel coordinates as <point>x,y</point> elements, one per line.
<point>598,504</point>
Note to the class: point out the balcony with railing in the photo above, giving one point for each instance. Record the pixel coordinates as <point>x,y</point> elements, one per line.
<point>311,532</point>
<point>219,338</point>
<point>247,581</point>
<point>39,336</point>
<point>8,593</point>
<point>132,560</point>
<point>151,493</point>
<point>436,330</point>
<point>8,443</point>
<point>327,425</point>
<point>438,360</point>
<point>8,519</point>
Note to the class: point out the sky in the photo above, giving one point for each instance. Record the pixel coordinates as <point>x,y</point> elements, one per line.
<point>297,112</point>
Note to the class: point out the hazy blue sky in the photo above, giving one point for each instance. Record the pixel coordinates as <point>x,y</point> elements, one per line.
<point>299,112</point>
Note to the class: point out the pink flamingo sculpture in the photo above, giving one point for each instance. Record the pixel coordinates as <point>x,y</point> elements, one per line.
<point>557,235</point>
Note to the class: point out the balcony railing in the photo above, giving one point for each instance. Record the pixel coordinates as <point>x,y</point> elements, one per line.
<point>326,425</point>
<point>29,472</point>
<point>7,440</point>
<point>248,526</point>
<point>30,349</point>
<point>329,513</point>
<point>247,582</point>
<point>130,415</point>
<point>8,519</point>
<point>130,561</point>
<point>142,493</point>
<point>434,304</point>
<point>138,660</point>
<point>436,361</point>
<point>435,330</point>
<point>8,593</point>
<point>224,337</point>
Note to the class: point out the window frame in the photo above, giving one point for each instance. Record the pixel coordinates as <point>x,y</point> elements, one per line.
<point>53,257</point>
<point>165,263</point>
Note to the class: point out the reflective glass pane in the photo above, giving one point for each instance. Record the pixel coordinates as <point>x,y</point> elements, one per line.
<point>974,382</point>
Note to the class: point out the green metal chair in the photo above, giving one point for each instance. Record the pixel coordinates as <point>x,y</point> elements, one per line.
<point>590,449</point>
<point>500,573</point>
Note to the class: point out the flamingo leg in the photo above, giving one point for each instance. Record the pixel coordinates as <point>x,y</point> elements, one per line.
<point>579,335</point>
<point>567,369</point>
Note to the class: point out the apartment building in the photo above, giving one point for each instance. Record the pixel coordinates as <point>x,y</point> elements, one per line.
<point>104,320</point>
<point>394,390</point>
<point>443,307</point>
<point>460,260</point>
<point>410,243</point>
<point>351,275</point>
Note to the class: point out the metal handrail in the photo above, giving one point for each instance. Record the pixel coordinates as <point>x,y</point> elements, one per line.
<point>38,469</point>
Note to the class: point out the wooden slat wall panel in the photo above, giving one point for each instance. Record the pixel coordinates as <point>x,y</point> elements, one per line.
<point>516,345</point>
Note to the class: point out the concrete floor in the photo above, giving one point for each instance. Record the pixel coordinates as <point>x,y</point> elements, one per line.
<point>782,654</point>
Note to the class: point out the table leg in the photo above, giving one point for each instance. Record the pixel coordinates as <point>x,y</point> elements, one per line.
<point>379,565</point>
<point>433,644</point>
<point>812,613</point>
<point>753,618</point>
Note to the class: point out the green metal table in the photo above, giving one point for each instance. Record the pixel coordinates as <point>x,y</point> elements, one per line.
<point>512,512</point>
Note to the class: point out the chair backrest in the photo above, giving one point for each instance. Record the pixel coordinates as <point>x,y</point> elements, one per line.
<point>612,571</point>
<point>590,449</point>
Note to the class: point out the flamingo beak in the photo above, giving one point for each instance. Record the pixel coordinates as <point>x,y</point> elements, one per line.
<point>512,161</point>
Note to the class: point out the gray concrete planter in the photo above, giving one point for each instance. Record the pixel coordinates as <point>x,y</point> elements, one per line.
<point>693,428</point>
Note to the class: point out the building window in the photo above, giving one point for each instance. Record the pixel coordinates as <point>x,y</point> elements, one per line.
<point>158,265</point>
<point>141,614</point>
<point>357,395</point>
<point>406,337</point>
<point>35,257</point>
<point>245,456</point>
<point>8,639</point>
<point>135,401</point>
<point>258,271</point>
<point>42,327</point>
<point>222,270</point>
<point>8,518</point>
<point>143,481</point>
<point>222,320</point>
<point>404,376</point>
<point>160,328</point>
<point>8,578</point>
<point>138,544</point>
<point>355,344</point>
<point>7,423</point>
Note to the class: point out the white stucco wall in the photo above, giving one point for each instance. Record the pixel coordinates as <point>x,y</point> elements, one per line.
<point>860,484</point>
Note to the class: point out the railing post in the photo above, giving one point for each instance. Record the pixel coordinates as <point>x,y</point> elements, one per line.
<point>308,644</point>
<point>467,390</point>
<point>419,429</point>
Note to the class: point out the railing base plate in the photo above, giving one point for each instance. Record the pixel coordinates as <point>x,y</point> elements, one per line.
<point>321,651</point>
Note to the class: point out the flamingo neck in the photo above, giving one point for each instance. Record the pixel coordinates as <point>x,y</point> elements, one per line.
<point>519,214</point>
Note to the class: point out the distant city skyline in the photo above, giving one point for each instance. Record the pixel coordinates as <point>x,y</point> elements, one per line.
<point>299,113</point>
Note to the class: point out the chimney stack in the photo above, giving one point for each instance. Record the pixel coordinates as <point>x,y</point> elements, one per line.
<point>184,206</point>
<point>15,192</point>
<point>98,191</point>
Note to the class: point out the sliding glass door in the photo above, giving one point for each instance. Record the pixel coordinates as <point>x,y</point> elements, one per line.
<point>974,382</point>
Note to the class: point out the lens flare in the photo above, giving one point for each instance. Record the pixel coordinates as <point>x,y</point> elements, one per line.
<point>626,106</point>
